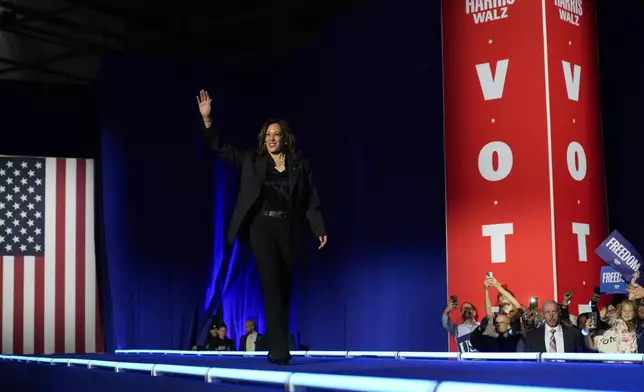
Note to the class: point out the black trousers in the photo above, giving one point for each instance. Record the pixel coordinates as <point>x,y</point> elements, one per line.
<point>274,251</point>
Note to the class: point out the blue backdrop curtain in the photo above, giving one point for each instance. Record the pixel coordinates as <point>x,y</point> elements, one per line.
<point>166,202</point>
<point>239,112</point>
<point>242,300</point>
<point>157,205</point>
<point>366,101</point>
<point>366,107</point>
<point>234,284</point>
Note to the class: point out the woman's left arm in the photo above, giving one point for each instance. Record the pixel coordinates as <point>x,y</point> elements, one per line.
<point>314,209</point>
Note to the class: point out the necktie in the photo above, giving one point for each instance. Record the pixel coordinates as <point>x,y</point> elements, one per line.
<point>552,347</point>
<point>249,343</point>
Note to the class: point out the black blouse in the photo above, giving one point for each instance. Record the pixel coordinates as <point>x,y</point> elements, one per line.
<point>277,193</point>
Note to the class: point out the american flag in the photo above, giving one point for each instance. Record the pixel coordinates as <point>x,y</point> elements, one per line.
<point>48,272</point>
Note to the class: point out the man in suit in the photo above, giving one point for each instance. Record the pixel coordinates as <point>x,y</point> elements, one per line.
<point>252,340</point>
<point>276,196</point>
<point>552,337</point>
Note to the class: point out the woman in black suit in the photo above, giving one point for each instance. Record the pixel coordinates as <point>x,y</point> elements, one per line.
<point>276,193</point>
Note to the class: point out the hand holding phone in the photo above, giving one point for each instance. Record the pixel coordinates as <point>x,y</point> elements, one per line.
<point>591,323</point>
<point>596,295</point>
<point>534,303</point>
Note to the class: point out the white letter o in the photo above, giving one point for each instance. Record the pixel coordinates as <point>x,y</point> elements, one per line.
<point>486,168</point>
<point>576,158</point>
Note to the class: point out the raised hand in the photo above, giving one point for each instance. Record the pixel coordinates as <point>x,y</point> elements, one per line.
<point>204,101</point>
<point>322,241</point>
<point>635,277</point>
<point>451,305</point>
<point>602,313</point>
<point>567,297</point>
<point>635,292</point>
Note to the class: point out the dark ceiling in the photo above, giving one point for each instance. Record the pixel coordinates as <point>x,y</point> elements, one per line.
<point>227,26</point>
<point>222,30</point>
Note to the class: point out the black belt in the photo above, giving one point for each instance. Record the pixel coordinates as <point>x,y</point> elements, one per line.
<point>276,214</point>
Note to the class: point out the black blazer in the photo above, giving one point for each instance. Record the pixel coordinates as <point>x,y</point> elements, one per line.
<point>259,343</point>
<point>215,343</point>
<point>487,344</point>
<point>304,195</point>
<point>535,340</point>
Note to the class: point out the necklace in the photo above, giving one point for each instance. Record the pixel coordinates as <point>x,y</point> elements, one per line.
<point>279,162</point>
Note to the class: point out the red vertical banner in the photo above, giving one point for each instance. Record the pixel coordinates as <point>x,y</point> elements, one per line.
<point>577,154</point>
<point>507,151</point>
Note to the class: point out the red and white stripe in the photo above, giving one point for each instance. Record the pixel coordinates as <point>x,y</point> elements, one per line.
<point>49,303</point>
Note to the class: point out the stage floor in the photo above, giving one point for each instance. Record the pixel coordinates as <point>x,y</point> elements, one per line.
<point>593,376</point>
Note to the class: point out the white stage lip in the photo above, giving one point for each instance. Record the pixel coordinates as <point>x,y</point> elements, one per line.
<point>294,381</point>
<point>501,356</point>
<point>593,357</point>
<point>537,357</point>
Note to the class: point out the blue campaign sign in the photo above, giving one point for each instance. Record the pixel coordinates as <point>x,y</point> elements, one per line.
<point>620,254</point>
<point>611,281</point>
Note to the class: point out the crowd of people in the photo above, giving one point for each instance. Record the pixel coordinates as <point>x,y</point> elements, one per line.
<point>218,340</point>
<point>615,328</point>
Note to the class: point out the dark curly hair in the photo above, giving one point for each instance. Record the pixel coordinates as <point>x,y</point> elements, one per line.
<point>288,139</point>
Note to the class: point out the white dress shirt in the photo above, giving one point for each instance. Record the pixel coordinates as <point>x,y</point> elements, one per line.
<point>559,339</point>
